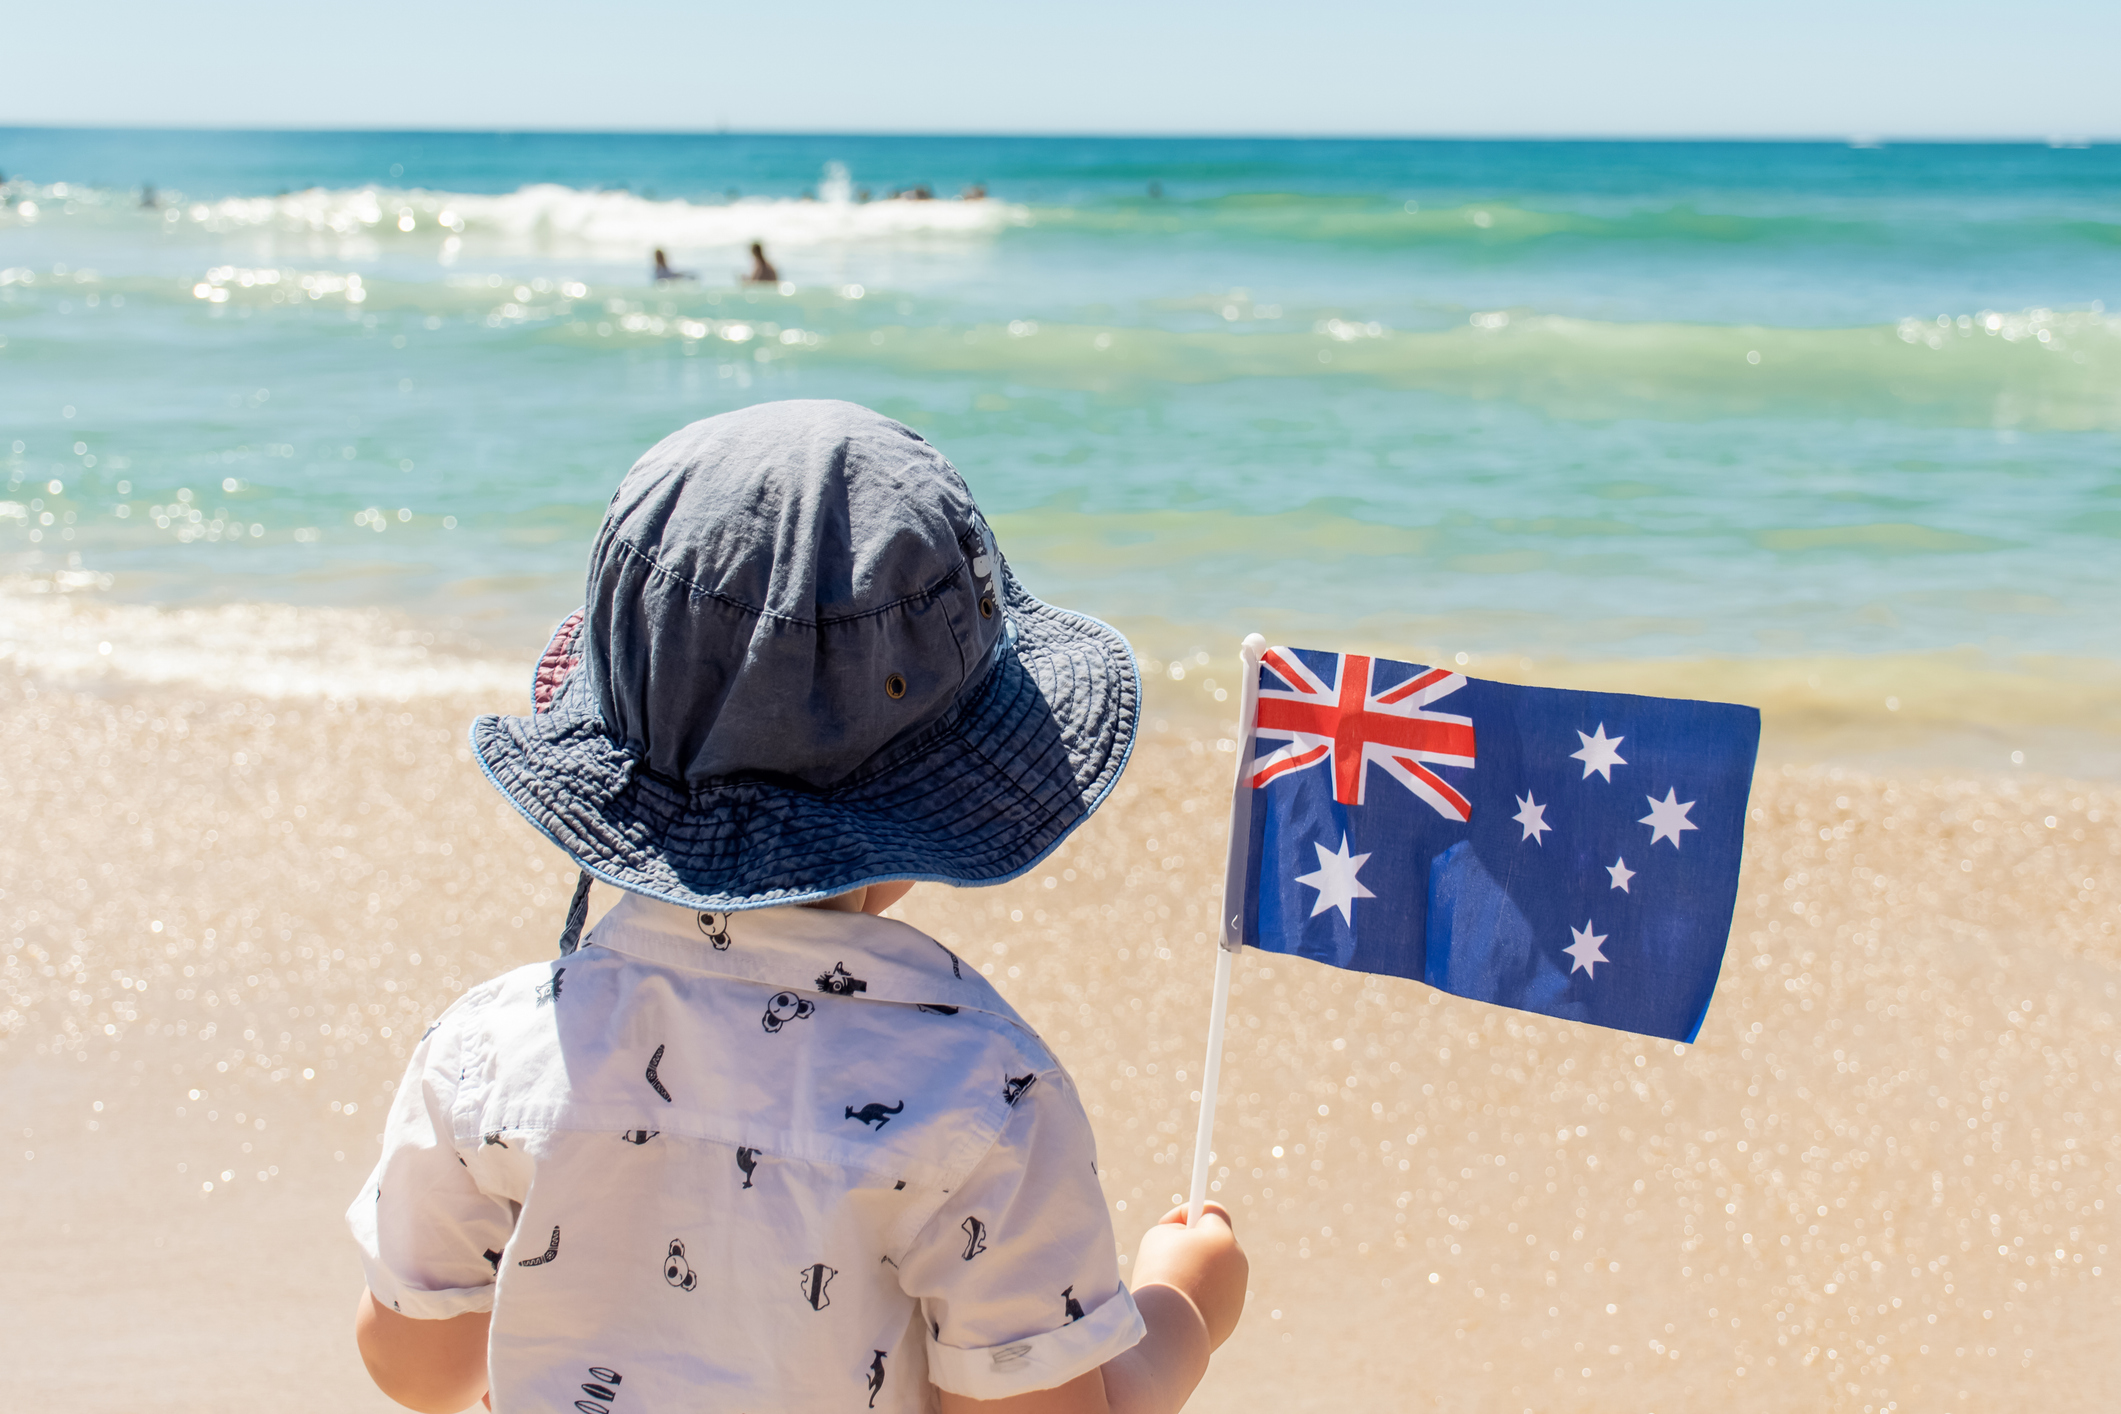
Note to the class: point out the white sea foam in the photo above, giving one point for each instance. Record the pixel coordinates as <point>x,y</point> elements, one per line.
<point>59,629</point>
<point>558,219</point>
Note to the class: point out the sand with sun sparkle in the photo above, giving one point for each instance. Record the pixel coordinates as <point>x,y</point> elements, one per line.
<point>1884,1179</point>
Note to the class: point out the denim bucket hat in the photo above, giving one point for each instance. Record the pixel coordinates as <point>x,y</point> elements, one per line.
<point>804,666</point>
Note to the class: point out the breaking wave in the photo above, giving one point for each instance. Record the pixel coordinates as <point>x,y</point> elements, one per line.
<point>544,218</point>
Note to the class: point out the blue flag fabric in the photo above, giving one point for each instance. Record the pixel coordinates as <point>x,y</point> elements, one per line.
<point>1568,853</point>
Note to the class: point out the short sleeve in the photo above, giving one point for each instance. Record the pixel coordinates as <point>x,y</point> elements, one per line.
<point>1017,1273</point>
<point>430,1239</point>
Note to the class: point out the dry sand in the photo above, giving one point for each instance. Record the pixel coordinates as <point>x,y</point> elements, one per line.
<point>1885,1179</point>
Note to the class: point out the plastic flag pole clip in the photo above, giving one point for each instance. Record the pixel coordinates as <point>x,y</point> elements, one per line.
<point>1233,931</point>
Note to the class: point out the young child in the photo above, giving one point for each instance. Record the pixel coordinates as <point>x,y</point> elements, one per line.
<point>749,1145</point>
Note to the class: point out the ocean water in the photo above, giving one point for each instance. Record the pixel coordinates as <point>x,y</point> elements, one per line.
<point>1740,402</point>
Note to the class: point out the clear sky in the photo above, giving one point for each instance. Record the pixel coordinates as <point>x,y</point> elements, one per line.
<point>1897,68</point>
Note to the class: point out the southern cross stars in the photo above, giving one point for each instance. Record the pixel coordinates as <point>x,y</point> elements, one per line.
<point>1621,873</point>
<point>1667,817</point>
<point>1583,953</point>
<point>1533,816</point>
<point>1336,882</point>
<point>1601,753</point>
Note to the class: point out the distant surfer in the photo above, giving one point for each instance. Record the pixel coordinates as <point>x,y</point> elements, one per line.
<point>762,271</point>
<point>664,272</point>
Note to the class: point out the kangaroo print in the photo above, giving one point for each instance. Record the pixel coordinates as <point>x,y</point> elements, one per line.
<point>747,1160</point>
<point>875,1114</point>
<point>1075,1308</point>
<point>876,1377</point>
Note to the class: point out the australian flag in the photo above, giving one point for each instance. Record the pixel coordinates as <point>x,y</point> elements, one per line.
<point>1569,853</point>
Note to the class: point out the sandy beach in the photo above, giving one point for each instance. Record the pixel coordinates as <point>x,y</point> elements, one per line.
<point>1884,1179</point>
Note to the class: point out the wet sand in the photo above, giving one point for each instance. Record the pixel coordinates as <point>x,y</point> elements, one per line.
<point>1885,1179</point>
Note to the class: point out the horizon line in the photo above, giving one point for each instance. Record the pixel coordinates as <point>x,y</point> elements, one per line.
<point>2063,140</point>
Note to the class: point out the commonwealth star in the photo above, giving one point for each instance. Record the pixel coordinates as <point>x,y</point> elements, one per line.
<point>1336,882</point>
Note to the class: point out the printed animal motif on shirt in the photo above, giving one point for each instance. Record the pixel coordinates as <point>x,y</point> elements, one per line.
<point>975,1237</point>
<point>493,1139</point>
<point>1075,1307</point>
<point>876,1377</point>
<point>1013,1088</point>
<point>935,1008</point>
<point>876,1114</point>
<point>716,927</point>
<point>601,1393</point>
<point>839,982</point>
<point>639,1136</point>
<point>676,1270</point>
<point>550,991</point>
<point>816,1277</point>
<point>493,1258</point>
<point>552,1250</point>
<point>748,1161</point>
<point>654,1061</point>
<point>784,1007</point>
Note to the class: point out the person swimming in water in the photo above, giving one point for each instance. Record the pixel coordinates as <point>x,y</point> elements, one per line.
<point>762,271</point>
<point>664,272</point>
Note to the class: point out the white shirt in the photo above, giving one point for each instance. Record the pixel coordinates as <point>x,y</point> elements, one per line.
<point>785,1159</point>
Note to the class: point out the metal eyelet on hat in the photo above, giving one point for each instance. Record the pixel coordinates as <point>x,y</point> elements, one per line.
<point>894,687</point>
<point>986,606</point>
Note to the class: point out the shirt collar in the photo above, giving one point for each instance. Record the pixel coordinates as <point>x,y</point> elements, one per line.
<point>800,949</point>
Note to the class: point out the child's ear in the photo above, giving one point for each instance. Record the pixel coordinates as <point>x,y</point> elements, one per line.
<point>881,896</point>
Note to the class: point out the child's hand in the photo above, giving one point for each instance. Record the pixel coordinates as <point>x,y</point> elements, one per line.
<point>1204,1263</point>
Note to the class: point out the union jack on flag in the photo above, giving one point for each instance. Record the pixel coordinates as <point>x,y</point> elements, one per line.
<point>1347,725</point>
<point>1587,869</point>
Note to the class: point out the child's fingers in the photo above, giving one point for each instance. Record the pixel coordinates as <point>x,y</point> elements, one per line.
<point>1178,1215</point>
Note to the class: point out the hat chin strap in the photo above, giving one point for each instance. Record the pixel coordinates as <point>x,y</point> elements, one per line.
<point>577,915</point>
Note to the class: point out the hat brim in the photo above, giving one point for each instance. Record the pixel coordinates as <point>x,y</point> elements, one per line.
<point>979,797</point>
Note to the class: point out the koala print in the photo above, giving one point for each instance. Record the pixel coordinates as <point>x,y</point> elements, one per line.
<point>676,1270</point>
<point>784,1007</point>
<point>716,927</point>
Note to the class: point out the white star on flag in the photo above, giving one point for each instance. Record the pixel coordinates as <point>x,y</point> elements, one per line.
<point>1667,817</point>
<point>1585,951</point>
<point>1533,817</point>
<point>1621,873</point>
<point>1601,753</point>
<point>1336,882</point>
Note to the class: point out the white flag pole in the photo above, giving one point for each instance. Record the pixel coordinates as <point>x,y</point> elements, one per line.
<point>1232,927</point>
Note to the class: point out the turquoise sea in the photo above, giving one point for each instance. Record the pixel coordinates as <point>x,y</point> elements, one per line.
<point>1740,402</point>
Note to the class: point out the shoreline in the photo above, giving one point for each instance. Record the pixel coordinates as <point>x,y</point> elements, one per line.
<point>1950,710</point>
<point>265,899</point>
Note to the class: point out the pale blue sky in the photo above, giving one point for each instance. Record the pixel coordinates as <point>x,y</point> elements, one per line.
<point>2036,68</point>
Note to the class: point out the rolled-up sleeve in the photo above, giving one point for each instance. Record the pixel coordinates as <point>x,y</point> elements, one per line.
<point>423,1226</point>
<point>1017,1273</point>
